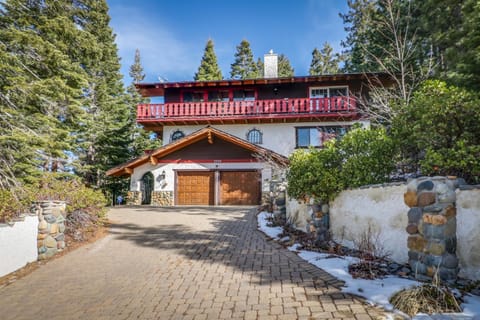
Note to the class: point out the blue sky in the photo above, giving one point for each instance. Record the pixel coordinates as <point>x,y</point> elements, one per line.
<point>171,35</point>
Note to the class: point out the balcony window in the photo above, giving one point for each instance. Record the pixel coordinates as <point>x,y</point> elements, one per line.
<point>218,96</point>
<point>243,95</point>
<point>317,136</point>
<point>328,92</point>
<point>196,96</point>
<point>254,136</point>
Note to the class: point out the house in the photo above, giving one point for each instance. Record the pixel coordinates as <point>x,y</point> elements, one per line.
<point>224,140</point>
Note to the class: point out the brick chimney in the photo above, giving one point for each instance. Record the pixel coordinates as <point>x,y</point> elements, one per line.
<point>270,65</point>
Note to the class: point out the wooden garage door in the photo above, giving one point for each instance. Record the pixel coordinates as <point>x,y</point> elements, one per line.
<point>195,188</point>
<point>239,187</point>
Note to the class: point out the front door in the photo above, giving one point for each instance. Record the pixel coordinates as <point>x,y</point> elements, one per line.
<point>147,188</point>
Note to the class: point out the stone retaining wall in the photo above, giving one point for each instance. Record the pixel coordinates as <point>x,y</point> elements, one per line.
<point>51,227</point>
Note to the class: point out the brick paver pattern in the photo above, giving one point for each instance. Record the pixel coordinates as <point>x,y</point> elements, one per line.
<point>181,263</point>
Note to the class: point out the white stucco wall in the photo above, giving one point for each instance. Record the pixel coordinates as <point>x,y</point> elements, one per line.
<point>383,209</point>
<point>278,137</point>
<point>18,244</point>
<point>169,182</point>
<point>468,237</point>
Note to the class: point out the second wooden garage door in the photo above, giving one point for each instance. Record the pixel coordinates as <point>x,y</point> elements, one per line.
<point>195,188</point>
<point>239,187</point>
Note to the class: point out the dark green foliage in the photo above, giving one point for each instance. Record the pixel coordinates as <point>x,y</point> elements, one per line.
<point>444,121</point>
<point>362,157</point>
<point>244,66</point>
<point>324,61</point>
<point>66,187</point>
<point>208,69</point>
<point>284,67</point>
<point>40,88</point>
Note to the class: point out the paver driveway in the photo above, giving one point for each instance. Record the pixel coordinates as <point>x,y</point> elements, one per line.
<point>180,263</point>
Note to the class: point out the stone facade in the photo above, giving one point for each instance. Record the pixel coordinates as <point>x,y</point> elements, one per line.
<point>51,227</point>
<point>134,198</point>
<point>432,227</point>
<point>162,198</point>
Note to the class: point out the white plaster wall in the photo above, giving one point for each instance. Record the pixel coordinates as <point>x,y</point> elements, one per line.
<point>353,211</point>
<point>18,244</point>
<point>169,168</point>
<point>468,237</point>
<point>278,137</point>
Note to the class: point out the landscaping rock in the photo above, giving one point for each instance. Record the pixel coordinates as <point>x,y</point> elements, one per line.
<point>425,186</point>
<point>414,215</point>
<point>412,228</point>
<point>50,218</point>
<point>426,198</point>
<point>50,242</point>
<point>410,198</point>
<point>450,261</point>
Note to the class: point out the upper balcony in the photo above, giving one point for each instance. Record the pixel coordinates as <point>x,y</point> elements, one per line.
<point>155,116</point>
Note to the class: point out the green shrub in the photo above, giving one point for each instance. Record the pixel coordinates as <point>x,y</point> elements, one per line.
<point>71,190</point>
<point>442,122</point>
<point>368,157</point>
<point>363,156</point>
<point>9,206</point>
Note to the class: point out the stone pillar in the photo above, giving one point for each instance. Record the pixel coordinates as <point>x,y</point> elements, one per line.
<point>51,227</point>
<point>134,198</point>
<point>320,223</point>
<point>432,227</point>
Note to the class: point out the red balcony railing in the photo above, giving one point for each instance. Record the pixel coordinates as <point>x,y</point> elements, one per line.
<point>258,108</point>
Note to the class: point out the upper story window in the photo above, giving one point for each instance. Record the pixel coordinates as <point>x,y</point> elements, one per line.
<point>328,92</point>
<point>243,95</point>
<point>254,136</point>
<point>176,135</point>
<point>193,96</point>
<point>317,136</point>
<point>218,96</point>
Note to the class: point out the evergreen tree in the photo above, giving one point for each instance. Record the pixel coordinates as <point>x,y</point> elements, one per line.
<point>284,67</point>
<point>260,67</point>
<point>106,134</point>
<point>40,88</point>
<point>141,139</point>
<point>208,69</point>
<point>244,66</point>
<point>324,61</point>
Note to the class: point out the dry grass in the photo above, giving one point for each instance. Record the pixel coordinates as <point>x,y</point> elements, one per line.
<point>425,299</point>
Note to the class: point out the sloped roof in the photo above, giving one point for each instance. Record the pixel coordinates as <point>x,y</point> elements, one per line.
<point>205,133</point>
<point>155,89</point>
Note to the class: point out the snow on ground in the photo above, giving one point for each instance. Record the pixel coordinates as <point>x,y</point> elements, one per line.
<point>263,223</point>
<point>376,291</point>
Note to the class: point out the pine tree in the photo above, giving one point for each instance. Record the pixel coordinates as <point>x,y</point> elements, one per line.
<point>260,67</point>
<point>284,67</point>
<point>40,88</point>
<point>106,133</point>
<point>244,66</point>
<point>324,61</point>
<point>208,69</point>
<point>141,140</point>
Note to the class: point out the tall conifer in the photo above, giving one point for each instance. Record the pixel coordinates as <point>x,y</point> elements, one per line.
<point>244,66</point>
<point>208,69</point>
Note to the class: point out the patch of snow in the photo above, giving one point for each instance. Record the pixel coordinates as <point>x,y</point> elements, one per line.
<point>263,223</point>
<point>377,291</point>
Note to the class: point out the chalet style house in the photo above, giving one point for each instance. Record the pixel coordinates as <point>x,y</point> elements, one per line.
<point>222,140</point>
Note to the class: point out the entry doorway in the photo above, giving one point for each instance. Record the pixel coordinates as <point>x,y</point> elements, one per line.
<point>147,182</point>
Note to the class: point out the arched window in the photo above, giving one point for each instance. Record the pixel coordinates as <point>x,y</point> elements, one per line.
<point>176,135</point>
<point>254,136</point>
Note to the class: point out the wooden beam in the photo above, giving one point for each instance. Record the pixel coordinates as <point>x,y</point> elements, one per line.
<point>128,170</point>
<point>209,137</point>
<point>153,160</point>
